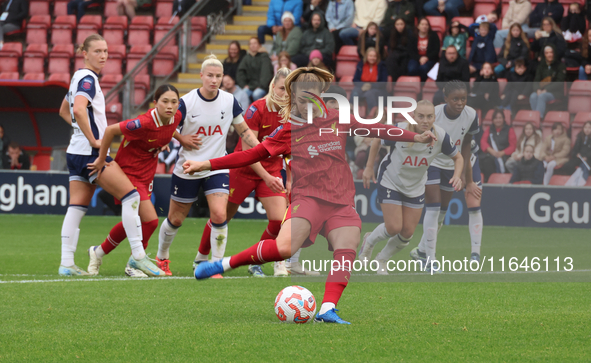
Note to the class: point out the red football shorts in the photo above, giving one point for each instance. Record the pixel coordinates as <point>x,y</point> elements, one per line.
<point>145,191</point>
<point>323,216</point>
<point>241,187</point>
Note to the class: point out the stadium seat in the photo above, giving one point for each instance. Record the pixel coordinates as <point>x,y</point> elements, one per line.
<point>114,111</point>
<point>407,86</point>
<point>498,178</point>
<point>524,116</point>
<point>38,8</point>
<point>162,27</point>
<point>61,29</point>
<point>89,24</point>
<point>34,77</point>
<point>579,97</point>
<point>465,20</point>
<point>110,9</point>
<point>522,182</point>
<point>438,25</point>
<point>198,28</point>
<point>429,89</point>
<point>60,77</point>
<point>37,29</point>
<point>161,168</point>
<point>141,86</point>
<point>42,162</point>
<point>140,30</point>
<point>347,84</point>
<point>9,75</point>
<point>10,56</point>
<point>79,61</point>
<point>136,53</point>
<point>487,121</point>
<point>484,8</point>
<point>163,9</point>
<point>559,179</point>
<point>59,58</point>
<point>117,54</point>
<point>34,58</point>
<point>347,60</point>
<point>555,116</point>
<point>165,61</point>
<point>114,30</point>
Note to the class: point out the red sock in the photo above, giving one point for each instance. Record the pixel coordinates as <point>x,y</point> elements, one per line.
<point>272,230</point>
<point>339,277</point>
<point>115,237</point>
<point>148,229</point>
<point>205,245</point>
<point>262,252</point>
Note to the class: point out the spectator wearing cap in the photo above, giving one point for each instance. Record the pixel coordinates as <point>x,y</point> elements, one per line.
<point>316,60</point>
<point>275,15</point>
<point>339,17</point>
<point>288,38</point>
<point>15,159</point>
<point>366,11</point>
<point>315,38</point>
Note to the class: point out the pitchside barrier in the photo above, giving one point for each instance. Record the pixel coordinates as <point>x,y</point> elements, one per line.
<point>502,205</point>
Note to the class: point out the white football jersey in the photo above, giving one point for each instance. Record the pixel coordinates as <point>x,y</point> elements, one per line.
<point>85,83</point>
<point>466,122</point>
<point>211,121</point>
<point>405,168</point>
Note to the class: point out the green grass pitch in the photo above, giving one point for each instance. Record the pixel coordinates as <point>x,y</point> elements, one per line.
<point>401,318</point>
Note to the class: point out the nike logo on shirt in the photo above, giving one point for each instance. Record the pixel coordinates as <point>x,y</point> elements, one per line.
<point>299,139</point>
<point>265,126</point>
<point>152,140</point>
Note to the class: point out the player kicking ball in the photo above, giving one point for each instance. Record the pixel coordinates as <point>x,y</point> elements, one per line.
<point>322,191</point>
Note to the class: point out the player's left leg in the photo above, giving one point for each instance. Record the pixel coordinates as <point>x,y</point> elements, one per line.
<point>275,207</point>
<point>475,222</point>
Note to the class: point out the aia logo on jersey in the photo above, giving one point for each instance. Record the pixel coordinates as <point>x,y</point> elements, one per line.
<point>133,125</point>
<point>415,162</point>
<point>250,112</point>
<point>208,131</point>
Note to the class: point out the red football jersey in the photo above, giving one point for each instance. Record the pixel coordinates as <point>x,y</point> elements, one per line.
<point>264,120</point>
<point>141,138</point>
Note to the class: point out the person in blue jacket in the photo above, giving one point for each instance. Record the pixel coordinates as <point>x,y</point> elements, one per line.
<point>339,16</point>
<point>483,48</point>
<point>274,14</point>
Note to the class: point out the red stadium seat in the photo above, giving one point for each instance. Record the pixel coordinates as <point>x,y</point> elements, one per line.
<point>141,87</point>
<point>555,116</point>
<point>34,59</point>
<point>9,75</point>
<point>59,58</point>
<point>483,8</point>
<point>165,61</point>
<point>61,29</point>
<point>89,24</point>
<point>114,30</point>
<point>348,53</point>
<point>522,182</point>
<point>497,178</point>
<point>525,116</point>
<point>114,65</point>
<point>162,27</point>
<point>465,20</point>
<point>438,25</point>
<point>488,118</point>
<point>38,8</point>
<point>559,179</point>
<point>42,162</point>
<point>347,84</point>
<point>136,53</point>
<point>161,168</point>
<point>34,77</point>
<point>114,112</point>
<point>140,30</point>
<point>407,86</point>
<point>198,28</point>
<point>163,9</point>
<point>579,97</point>
<point>37,29</point>
<point>429,89</point>
<point>60,77</point>
<point>110,9</point>
<point>345,68</point>
<point>10,56</point>
<point>60,8</point>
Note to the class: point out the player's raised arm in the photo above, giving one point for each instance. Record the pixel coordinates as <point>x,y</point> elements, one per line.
<point>231,161</point>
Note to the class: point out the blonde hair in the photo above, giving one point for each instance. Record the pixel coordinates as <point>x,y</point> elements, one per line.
<point>86,44</point>
<point>371,49</point>
<point>415,128</point>
<point>212,61</point>
<point>300,75</point>
<point>281,73</point>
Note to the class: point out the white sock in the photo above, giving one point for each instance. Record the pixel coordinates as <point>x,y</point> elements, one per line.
<point>71,232</point>
<point>219,236</point>
<point>165,238</point>
<point>441,218</point>
<point>226,263</point>
<point>429,239</point>
<point>201,257</point>
<point>296,256</point>
<point>549,172</point>
<point>326,307</point>
<point>394,245</point>
<point>99,251</point>
<point>379,234</point>
<point>130,206</point>
<point>475,226</point>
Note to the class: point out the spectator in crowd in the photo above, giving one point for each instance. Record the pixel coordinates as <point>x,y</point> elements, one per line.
<point>549,8</point>
<point>339,16</point>
<point>483,48</point>
<point>78,7</point>
<point>179,7</point>
<point>574,23</point>
<point>168,157</point>
<point>288,37</point>
<point>318,37</point>
<point>580,154</point>
<point>315,60</point>
<point>426,51</point>
<point>585,68</point>
<point>548,82</point>
<point>366,11</point>
<point>370,80</point>
<point>312,7</point>
<point>283,60</point>
<point>485,92</point>
<point>371,37</point>
<point>275,16</point>
<point>516,46</point>
<point>518,13</point>
<point>458,37</point>
<point>498,143</point>
<point>528,168</point>
<point>13,13</point>
<point>4,141</point>
<point>517,87</point>
<point>255,71</point>
<point>398,9</point>
<point>229,85</point>
<point>555,151</point>
<point>549,34</point>
<point>452,67</point>
<point>529,137</point>
<point>15,159</point>
<point>400,49</point>
<point>232,61</point>
<point>448,8</point>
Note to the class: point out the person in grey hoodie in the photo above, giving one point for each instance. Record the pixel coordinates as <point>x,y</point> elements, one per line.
<point>317,37</point>
<point>255,71</point>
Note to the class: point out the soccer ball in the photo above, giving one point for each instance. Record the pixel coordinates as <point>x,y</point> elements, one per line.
<point>295,304</point>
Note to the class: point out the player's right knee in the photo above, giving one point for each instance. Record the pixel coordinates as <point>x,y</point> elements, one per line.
<point>392,229</point>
